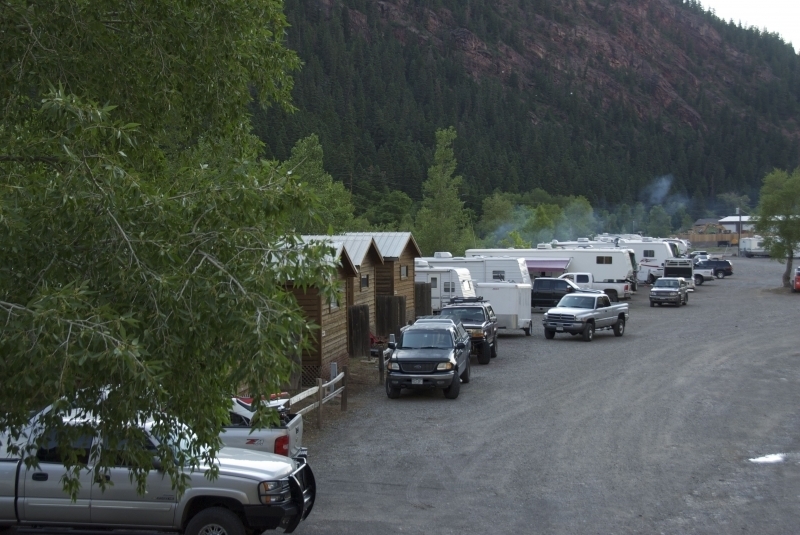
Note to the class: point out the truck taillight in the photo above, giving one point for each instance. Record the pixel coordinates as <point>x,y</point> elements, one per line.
<point>282,445</point>
<point>626,287</point>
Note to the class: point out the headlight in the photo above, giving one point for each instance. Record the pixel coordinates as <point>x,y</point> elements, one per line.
<point>445,366</point>
<point>394,366</point>
<point>476,332</point>
<point>270,492</point>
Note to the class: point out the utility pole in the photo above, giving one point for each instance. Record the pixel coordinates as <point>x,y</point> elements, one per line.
<point>739,243</point>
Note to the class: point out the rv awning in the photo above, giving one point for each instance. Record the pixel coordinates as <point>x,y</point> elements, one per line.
<point>547,264</point>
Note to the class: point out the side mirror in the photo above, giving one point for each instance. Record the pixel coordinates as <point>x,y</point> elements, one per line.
<point>461,345</point>
<point>569,289</point>
<point>392,345</point>
<point>157,464</point>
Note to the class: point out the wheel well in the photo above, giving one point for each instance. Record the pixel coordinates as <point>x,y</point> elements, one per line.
<point>204,502</point>
<point>611,293</point>
<point>621,316</point>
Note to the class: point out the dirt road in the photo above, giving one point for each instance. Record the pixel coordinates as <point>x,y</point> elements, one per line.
<point>649,433</point>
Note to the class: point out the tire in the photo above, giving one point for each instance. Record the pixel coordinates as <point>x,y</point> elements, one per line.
<point>215,521</point>
<point>619,327</point>
<point>588,332</point>
<point>451,392</point>
<point>494,347</point>
<point>698,280</point>
<point>650,279</point>
<point>527,330</point>
<point>719,274</point>
<point>465,376</point>
<point>652,304</point>
<point>549,334</point>
<point>484,353</point>
<point>612,295</point>
<point>686,299</point>
<point>392,392</point>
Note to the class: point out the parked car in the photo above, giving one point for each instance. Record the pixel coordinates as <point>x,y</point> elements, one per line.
<point>254,491</point>
<point>674,290</point>
<point>702,274</point>
<point>429,355</point>
<point>694,254</point>
<point>584,313</point>
<point>283,438</point>
<point>548,291</point>
<point>796,281</point>
<point>720,268</point>
<point>480,321</point>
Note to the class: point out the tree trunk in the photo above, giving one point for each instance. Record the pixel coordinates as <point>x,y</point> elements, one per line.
<point>787,275</point>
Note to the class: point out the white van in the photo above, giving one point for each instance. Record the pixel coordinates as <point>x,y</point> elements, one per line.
<point>446,283</point>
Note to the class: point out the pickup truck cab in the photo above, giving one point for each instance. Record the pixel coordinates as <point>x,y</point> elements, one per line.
<point>254,491</point>
<point>584,313</point>
<point>429,355</point>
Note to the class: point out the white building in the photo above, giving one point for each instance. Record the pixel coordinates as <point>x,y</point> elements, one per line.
<point>732,223</point>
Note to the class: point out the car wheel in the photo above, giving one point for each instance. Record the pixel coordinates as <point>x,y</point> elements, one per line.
<point>588,332</point>
<point>465,375</point>
<point>619,327</point>
<point>652,304</point>
<point>527,330</point>
<point>686,299</point>
<point>484,353</point>
<point>549,334</point>
<point>720,274</point>
<point>451,392</point>
<point>698,280</point>
<point>494,347</point>
<point>215,521</point>
<point>392,392</point>
<point>651,279</point>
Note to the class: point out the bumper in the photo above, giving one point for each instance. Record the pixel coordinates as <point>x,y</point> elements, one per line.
<point>286,515</point>
<point>428,380</point>
<point>564,327</point>
<point>659,299</point>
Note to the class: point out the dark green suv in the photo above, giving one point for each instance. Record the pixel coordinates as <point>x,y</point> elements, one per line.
<point>720,268</point>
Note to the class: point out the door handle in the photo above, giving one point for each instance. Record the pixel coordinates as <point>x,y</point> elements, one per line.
<point>39,476</point>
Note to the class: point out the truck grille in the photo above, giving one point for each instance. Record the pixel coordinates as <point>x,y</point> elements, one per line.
<point>561,317</point>
<point>417,367</point>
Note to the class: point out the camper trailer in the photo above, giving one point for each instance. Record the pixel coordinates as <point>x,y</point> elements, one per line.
<point>754,246</point>
<point>446,283</point>
<point>651,252</point>
<point>502,280</point>
<point>612,265</point>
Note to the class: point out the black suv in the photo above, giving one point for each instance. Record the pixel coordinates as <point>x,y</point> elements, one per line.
<point>480,321</point>
<point>720,268</point>
<point>429,355</point>
<point>548,291</point>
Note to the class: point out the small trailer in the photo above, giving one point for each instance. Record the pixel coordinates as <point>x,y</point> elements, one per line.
<point>681,267</point>
<point>511,303</point>
<point>446,283</point>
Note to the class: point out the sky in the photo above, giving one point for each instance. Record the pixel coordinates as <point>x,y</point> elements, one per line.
<point>781,16</point>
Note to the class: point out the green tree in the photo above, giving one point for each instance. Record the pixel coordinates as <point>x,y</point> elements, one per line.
<point>659,223</point>
<point>778,217</point>
<point>442,224</point>
<point>145,249</point>
<point>578,220</point>
<point>515,240</point>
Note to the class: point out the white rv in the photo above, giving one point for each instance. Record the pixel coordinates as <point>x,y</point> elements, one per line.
<point>612,265</point>
<point>502,280</point>
<point>754,246</point>
<point>651,252</point>
<point>446,283</point>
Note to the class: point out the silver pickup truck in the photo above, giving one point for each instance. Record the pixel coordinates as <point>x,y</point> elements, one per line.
<point>585,313</point>
<point>254,491</point>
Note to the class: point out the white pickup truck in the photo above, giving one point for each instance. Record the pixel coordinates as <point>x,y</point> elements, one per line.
<point>284,438</point>
<point>615,290</point>
<point>585,313</point>
<point>254,491</point>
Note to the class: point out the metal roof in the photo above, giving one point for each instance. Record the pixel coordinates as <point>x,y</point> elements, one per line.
<point>735,219</point>
<point>357,246</point>
<point>390,244</point>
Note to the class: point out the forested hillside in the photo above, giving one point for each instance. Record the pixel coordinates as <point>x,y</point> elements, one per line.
<point>599,99</point>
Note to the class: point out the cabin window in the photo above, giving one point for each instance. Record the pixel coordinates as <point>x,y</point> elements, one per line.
<point>364,282</point>
<point>498,275</point>
<point>603,259</point>
<point>334,302</point>
<point>434,283</point>
<point>449,287</point>
<point>649,253</point>
<point>403,272</point>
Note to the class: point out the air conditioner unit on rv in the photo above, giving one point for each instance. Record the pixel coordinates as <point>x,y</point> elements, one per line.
<point>544,246</point>
<point>442,254</point>
<point>418,262</point>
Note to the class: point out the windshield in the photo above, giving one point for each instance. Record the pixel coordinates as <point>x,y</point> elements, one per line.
<point>426,339</point>
<point>661,283</point>
<point>466,314</point>
<point>576,301</point>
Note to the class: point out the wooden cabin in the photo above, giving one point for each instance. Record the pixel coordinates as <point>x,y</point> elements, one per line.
<point>331,339</point>
<point>396,276</point>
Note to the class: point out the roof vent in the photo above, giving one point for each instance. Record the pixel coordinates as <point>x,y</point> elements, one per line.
<point>418,262</point>
<point>583,240</point>
<point>647,239</point>
<point>442,254</point>
<point>544,246</point>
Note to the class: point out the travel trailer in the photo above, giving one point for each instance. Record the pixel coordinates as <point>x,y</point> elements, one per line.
<point>651,252</point>
<point>446,283</point>
<point>504,281</point>
<point>614,265</point>
<point>754,246</point>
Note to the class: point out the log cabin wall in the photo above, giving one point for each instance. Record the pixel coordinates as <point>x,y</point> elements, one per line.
<point>364,289</point>
<point>404,284</point>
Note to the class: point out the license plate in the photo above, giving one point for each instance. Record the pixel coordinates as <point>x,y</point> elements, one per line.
<point>416,381</point>
<point>560,329</point>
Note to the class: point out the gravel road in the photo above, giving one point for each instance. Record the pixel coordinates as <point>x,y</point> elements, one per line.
<point>649,433</point>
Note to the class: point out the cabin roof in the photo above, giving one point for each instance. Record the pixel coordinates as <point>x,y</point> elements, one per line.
<point>357,247</point>
<point>391,244</point>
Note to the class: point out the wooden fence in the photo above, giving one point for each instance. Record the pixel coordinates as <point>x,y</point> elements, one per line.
<point>321,398</point>
<point>390,314</point>
<point>358,330</point>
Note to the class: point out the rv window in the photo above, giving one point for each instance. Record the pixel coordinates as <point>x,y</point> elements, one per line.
<point>433,282</point>
<point>649,253</point>
<point>449,287</point>
<point>498,275</point>
<point>603,259</point>
<point>364,281</point>
<point>403,272</point>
